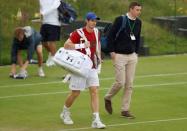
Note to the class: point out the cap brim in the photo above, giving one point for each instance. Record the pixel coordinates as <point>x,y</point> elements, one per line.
<point>93,18</point>
<point>97,18</point>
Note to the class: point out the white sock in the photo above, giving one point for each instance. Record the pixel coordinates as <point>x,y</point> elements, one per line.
<point>40,68</point>
<point>96,116</point>
<point>52,57</point>
<point>49,55</point>
<point>65,108</point>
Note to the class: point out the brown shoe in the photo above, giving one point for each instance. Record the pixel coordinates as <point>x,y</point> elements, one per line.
<point>108,106</point>
<point>127,114</point>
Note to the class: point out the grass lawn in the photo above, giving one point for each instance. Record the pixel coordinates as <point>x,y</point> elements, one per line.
<point>159,101</point>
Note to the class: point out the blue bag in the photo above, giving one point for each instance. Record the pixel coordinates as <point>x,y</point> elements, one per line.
<point>106,31</point>
<point>104,37</point>
<point>67,13</point>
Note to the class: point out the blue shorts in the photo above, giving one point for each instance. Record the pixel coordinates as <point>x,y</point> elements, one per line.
<point>50,33</point>
<point>37,39</point>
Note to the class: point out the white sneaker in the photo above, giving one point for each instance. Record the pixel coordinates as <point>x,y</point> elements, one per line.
<point>65,116</point>
<point>21,75</point>
<point>41,72</point>
<point>98,124</point>
<point>50,61</point>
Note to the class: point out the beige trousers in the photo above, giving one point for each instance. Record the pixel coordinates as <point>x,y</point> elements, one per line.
<point>124,66</point>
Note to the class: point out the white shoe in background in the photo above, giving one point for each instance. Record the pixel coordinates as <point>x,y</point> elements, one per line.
<point>67,78</point>
<point>41,72</point>
<point>49,61</point>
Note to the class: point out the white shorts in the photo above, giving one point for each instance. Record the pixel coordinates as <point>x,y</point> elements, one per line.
<point>80,83</point>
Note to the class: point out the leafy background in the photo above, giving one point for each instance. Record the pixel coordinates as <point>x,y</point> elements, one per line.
<point>159,40</point>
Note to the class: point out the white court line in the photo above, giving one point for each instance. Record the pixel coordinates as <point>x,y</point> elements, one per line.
<point>63,92</point>
<point>23,85</point>
<point>154,75</point>
<point>130,123</point>
<point>163,84</point>
<point>37,94</point>
<point>102,79</point>
<point>166,74</point>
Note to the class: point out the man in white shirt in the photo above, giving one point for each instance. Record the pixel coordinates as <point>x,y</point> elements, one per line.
<point>50,29</point>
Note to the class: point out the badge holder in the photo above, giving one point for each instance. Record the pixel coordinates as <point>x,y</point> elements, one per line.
<point>132,36</point>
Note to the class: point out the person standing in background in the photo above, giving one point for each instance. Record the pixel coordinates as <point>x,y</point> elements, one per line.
<point>51,27</point>
<point>124,54</point>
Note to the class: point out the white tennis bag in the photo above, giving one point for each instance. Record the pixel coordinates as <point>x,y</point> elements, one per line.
<point>73,61</point>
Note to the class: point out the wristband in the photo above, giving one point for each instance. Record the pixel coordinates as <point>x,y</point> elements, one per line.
<point>79,46</point>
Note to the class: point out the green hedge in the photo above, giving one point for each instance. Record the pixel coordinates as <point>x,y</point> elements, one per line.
<point>159,40</point>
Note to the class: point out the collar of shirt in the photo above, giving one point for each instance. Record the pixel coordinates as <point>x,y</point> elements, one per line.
<point>130,17</point>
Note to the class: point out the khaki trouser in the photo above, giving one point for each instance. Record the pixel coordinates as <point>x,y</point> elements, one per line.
<point>124,66</point>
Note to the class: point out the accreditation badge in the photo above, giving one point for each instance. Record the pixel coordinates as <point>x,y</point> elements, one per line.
<point>132,36</point>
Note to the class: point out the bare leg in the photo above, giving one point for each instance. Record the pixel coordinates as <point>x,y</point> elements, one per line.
<point>94,99</point>
<point>65,115</point>
<point>39,55</point>
<point>46,45</point>
<point>13,69</point>
<point>25,65</point>
<point>19,58</point>
<point>52,47</point>
<point>71,98</point>
<point>96,123</point>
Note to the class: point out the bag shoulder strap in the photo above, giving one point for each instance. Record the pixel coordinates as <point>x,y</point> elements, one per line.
<point>81,33</point>
<point>124,21</point>
<point>123,24</point>
<point>96,32</point>
<point>98,46</point>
